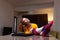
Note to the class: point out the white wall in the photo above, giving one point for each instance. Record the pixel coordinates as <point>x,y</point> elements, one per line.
<point>38,9</point>
<point>57,15</point>
<point>32,7</point>
<point>49,11</point>
<point>6,15</point>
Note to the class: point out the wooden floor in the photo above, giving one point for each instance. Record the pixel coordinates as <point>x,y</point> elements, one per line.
<point>26,38</point>
<point>35,38</point>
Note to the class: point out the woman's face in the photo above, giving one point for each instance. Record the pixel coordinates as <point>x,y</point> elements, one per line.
<point>26,23</point>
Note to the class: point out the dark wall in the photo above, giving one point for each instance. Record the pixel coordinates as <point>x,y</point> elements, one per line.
<point>39,19</point>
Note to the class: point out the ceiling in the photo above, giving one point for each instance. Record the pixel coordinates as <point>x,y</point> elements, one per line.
<point>18,3</point>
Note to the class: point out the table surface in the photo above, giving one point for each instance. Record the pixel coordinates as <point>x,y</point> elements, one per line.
<point>34,37</point>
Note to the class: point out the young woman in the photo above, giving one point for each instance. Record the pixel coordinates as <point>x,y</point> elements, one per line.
<point>32,28</point>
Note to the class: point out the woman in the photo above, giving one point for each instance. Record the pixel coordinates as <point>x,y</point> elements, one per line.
<point>29,28</point>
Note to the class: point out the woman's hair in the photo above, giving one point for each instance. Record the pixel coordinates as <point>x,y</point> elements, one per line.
<point>23,21</point>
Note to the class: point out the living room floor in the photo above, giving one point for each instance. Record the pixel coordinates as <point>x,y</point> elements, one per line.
<point>34,37</point>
